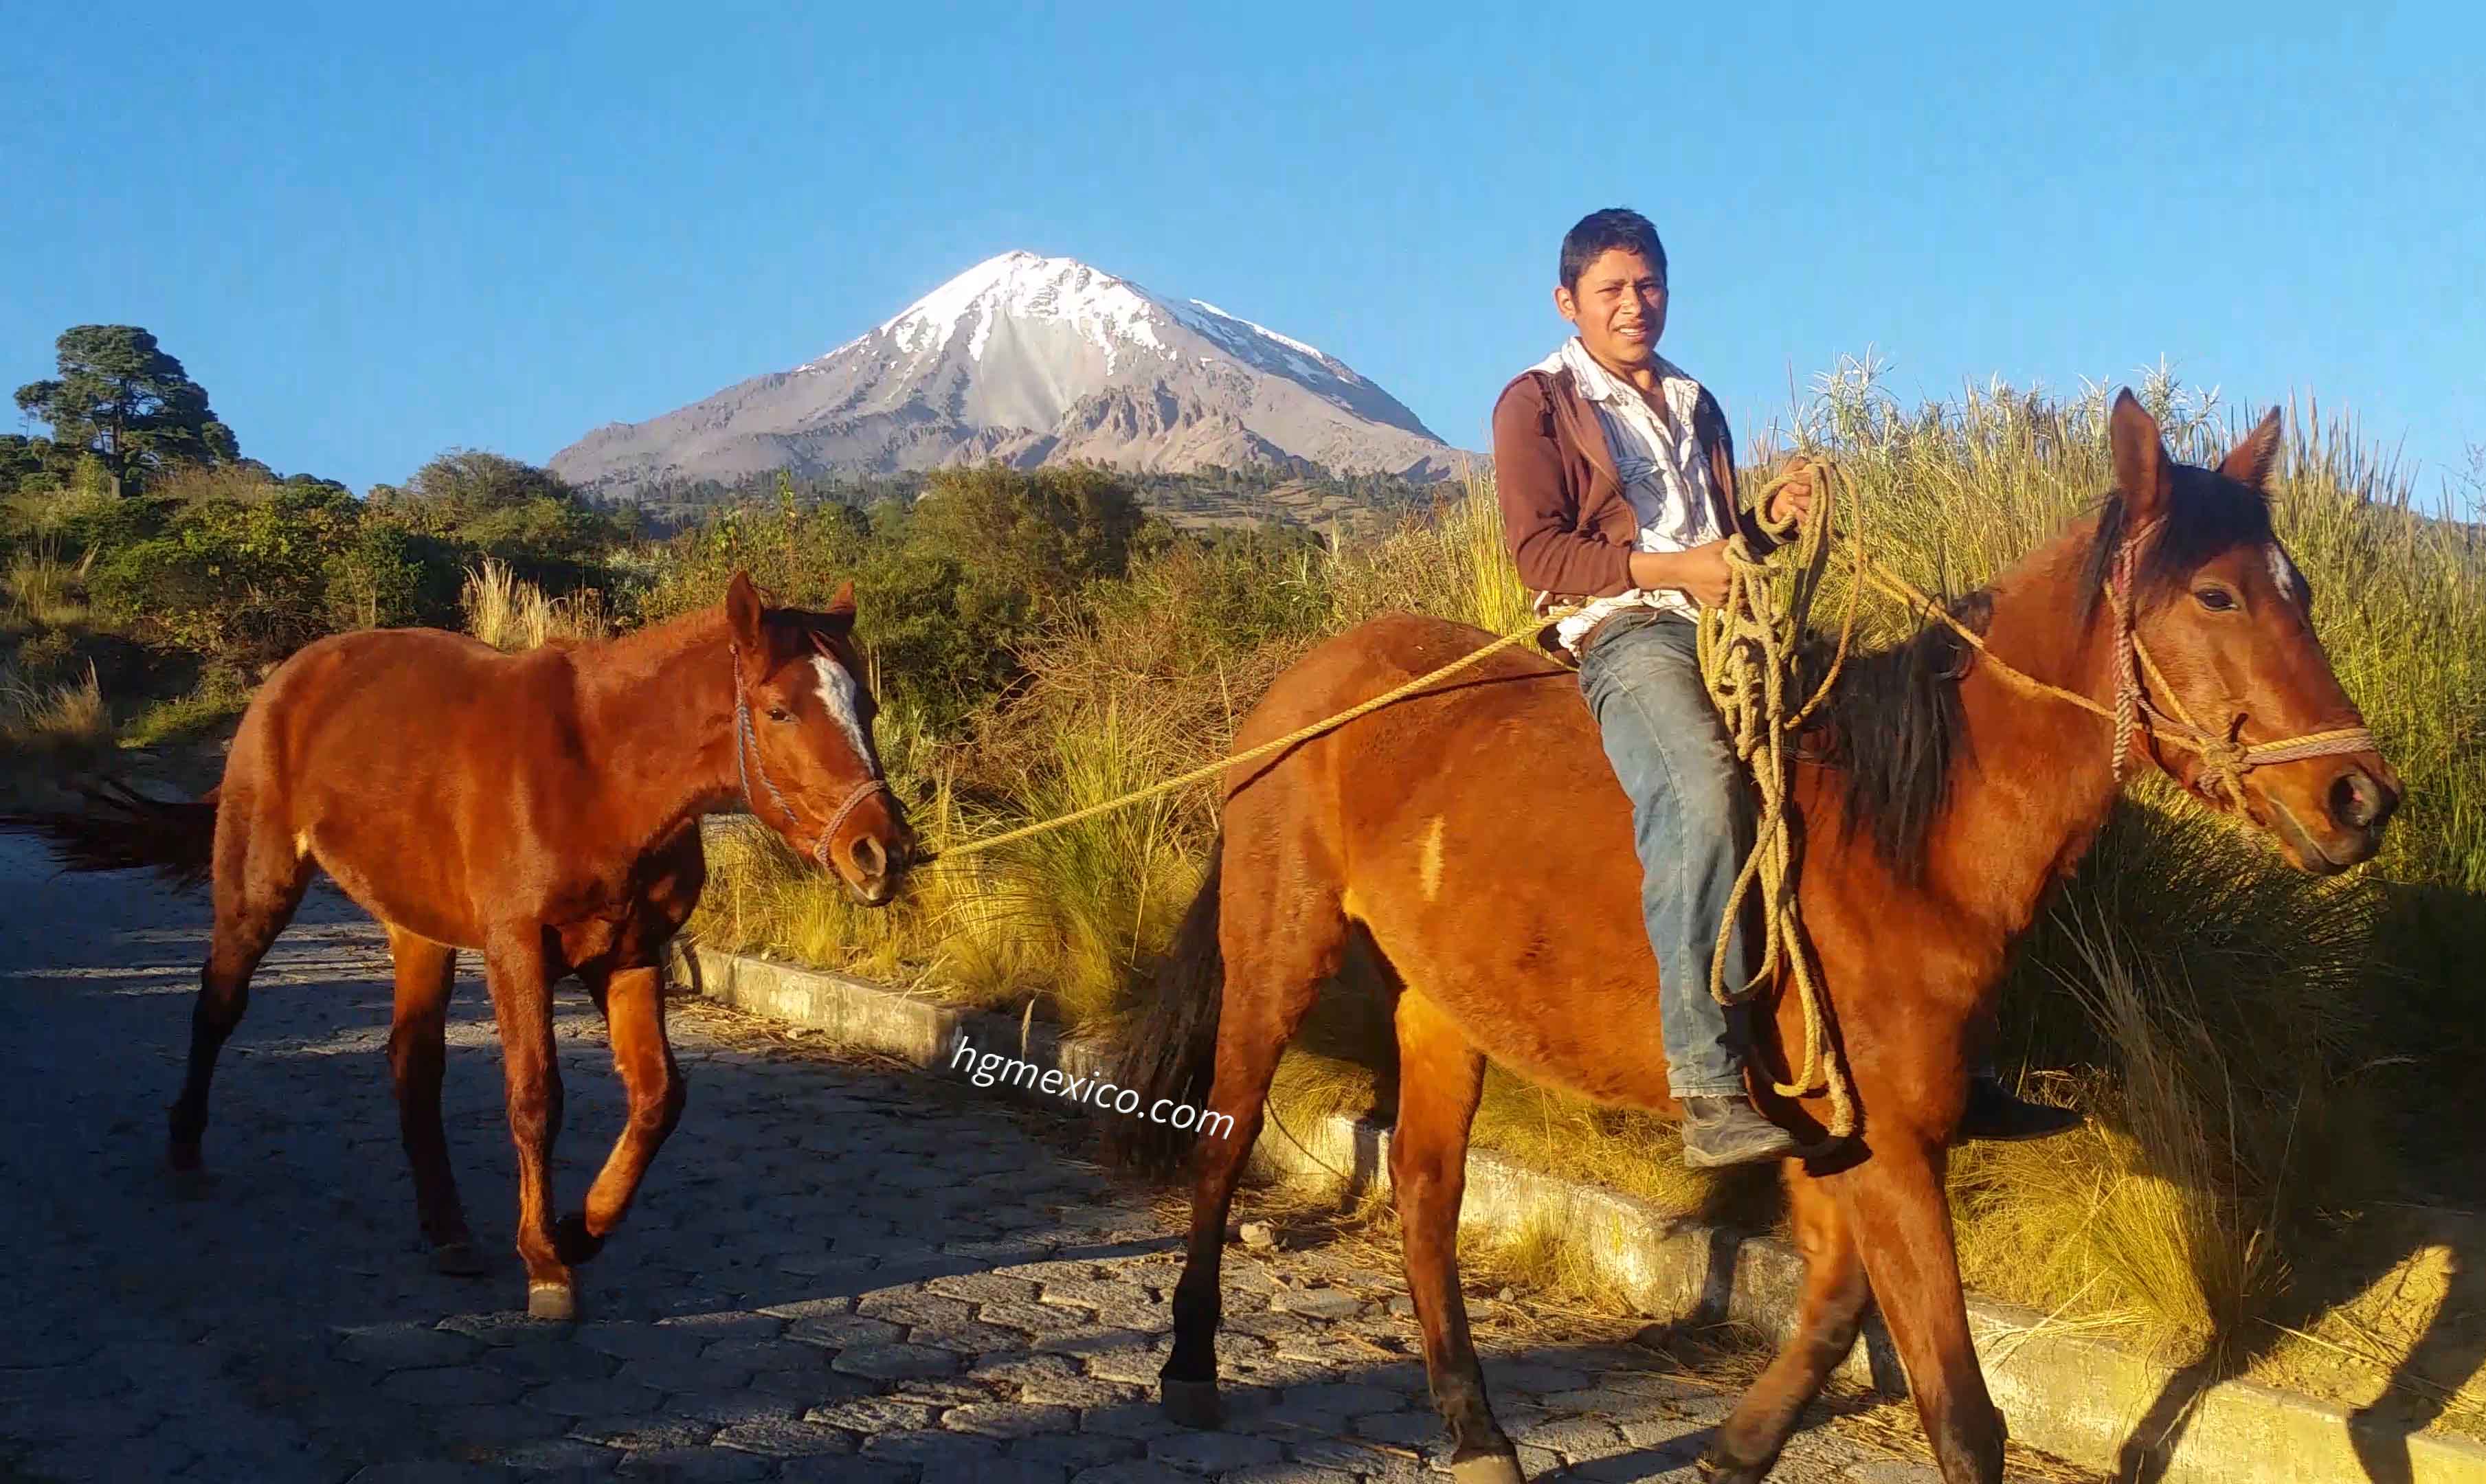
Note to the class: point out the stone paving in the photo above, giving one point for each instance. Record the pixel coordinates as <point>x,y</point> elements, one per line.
<point>835,1271</point>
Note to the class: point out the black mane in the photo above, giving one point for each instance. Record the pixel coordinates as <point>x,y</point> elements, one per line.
<point>1894,728</point>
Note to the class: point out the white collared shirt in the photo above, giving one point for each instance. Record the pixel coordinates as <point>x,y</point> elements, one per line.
<point>1663,470</point>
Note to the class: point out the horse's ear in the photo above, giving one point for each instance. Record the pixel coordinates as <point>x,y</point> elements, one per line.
<point>2141,461</point>
<point>2249,462</point>
<point>742,615</point>
<point>843,606</point>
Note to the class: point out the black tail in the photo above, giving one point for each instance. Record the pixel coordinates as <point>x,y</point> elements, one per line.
<point>125,831</point>
<point>1169,1046</point>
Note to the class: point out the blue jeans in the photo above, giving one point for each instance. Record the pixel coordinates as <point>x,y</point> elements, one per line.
<point>1693,826</point>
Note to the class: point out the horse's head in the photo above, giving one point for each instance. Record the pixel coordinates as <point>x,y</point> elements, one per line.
<point>2229,669</point>
<point>803,739</point>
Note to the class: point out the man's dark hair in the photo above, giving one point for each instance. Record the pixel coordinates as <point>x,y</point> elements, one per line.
<point>1602,232</point>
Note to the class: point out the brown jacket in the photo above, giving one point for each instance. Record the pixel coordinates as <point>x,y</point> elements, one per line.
<point>1564,515</point>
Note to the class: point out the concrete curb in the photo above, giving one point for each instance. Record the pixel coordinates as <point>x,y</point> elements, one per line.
<point>2080,1398</point>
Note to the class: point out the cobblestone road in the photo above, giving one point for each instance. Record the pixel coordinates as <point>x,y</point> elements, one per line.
<point>835,1271</point>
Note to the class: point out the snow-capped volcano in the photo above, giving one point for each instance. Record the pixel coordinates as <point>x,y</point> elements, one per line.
<point>1032,360</point>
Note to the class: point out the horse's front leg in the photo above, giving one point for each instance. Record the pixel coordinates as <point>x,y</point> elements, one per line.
<point>521,985</point>
<point>633,1001</point>
<point>1835,1296</point>
<point>1901,1224</point>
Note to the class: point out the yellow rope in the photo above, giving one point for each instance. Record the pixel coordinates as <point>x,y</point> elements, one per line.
<point>1747,648</point>
<point>1290,739</point>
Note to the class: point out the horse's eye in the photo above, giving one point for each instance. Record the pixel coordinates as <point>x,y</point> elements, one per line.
<point>780,714</point>
<point>2216,599</point>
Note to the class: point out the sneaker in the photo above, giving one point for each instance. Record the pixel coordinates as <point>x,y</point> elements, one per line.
<point>1995,1115</point>
<point>1721,1131</point>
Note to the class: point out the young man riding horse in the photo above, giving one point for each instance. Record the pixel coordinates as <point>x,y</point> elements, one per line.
<point>1468,841</point>
<point>1616,476</point>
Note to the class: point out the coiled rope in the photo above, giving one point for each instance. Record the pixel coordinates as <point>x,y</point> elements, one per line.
<point>1747,647</point>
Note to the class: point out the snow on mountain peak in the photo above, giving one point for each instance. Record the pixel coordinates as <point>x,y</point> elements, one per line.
<point>1117,315</point>
<point>1032,360</point>
<point>1114,314</point>
<point>1239,335</point>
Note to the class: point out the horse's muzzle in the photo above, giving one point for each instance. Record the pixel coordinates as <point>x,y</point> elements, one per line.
<point>874,867</point>
<point>2342,825</point>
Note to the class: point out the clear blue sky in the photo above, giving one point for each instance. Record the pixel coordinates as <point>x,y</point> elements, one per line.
<point>373,236</point>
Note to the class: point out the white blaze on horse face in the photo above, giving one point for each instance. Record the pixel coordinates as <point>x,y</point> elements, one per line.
<point>2282,572</point>
<point>1430,867</point>
<point>845,701</point>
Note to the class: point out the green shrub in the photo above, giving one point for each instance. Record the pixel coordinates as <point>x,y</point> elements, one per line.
<point>234,578</point>
<point>949,588</point>
<point>377,578</point>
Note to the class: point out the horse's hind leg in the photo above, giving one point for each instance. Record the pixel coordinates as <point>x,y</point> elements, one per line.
<point>1832,1310</point>
<point>1440,1077</point>
<point>1278,949</point>
<point>258,880</point>
<point>633,1002</point>
<point>418,1054</point>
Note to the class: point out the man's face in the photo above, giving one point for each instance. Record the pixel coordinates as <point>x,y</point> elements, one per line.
<point>1619,305</point>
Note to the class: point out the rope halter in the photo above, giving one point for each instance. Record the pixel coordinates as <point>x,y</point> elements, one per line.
<point>746,741</point>
<point>2225,756</point>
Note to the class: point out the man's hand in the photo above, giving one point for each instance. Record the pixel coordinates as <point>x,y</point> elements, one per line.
<point>1700,573</point>
<point>1792,499</point>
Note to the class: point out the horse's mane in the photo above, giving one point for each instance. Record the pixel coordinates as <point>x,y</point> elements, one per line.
<point>1892,731</point>
<point>1894,727</point>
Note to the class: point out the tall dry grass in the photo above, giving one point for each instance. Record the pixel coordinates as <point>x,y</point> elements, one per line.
<point>1450,562</point>
<point>44,590</point>
<point>508,612</point>
<point>2241,1032</point>
<point>48,513</point>
<point>2157,1219</point>
<point>46,730</point>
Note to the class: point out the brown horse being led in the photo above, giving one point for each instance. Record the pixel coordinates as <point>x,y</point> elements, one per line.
<point>1475,836</point>
<point>543,808</point>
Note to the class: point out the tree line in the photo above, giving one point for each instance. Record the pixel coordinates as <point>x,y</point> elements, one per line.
<point>140,539</point>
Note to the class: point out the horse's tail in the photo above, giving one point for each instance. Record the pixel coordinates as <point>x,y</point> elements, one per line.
<point>1168,1047</point>
<point>124,830</point>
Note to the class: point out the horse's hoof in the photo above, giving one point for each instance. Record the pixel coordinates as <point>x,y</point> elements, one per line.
<point>1487,1468</point>
<point>554,1301</point>
<point>191,1183</point>
<point>1717,1468</point>
<point>572,1243</point>
<point>458,1259</point>
<point>1191,1403</point>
